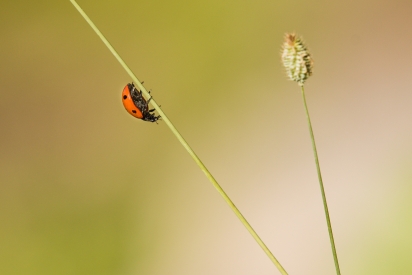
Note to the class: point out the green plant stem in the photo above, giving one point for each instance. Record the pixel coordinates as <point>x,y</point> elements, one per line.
<point>322,189</point>
<point>183,142</point>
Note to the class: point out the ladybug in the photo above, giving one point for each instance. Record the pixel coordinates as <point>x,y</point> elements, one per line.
<point>136,105</point>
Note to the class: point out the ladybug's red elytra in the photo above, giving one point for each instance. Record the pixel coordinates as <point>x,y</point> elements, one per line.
<point>136,105</point>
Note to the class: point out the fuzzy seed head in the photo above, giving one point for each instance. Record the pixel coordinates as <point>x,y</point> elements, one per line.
<point>296,59</point>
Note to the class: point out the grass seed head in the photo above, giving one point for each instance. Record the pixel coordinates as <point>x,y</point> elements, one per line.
<point>296,59</point>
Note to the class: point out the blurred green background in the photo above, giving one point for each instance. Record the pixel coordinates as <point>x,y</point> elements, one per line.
<point>87,189</point>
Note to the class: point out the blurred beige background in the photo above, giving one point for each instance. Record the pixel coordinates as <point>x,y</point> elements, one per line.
<point>87,189</point>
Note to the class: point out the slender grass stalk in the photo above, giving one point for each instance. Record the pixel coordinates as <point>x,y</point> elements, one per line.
<point>183,142</point>
<point>322,189</point>
<point>299,66</point>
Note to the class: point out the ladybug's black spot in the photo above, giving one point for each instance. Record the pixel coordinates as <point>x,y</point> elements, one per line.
<point>125,96</point>
<point>133,111</point>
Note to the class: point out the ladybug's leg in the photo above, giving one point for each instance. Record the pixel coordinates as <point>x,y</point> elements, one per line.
<point>152,110</point>
<point>146,105</point>
<point>134,88</point>
<point>137,91</point>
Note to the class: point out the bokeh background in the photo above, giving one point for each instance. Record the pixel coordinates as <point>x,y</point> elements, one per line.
<point>87,189</point>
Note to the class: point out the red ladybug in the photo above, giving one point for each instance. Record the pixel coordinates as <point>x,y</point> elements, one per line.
<point>136,105</point>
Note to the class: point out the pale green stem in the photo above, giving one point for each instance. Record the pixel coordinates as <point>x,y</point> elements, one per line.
<point>184,143</point>
<point>322,189</point>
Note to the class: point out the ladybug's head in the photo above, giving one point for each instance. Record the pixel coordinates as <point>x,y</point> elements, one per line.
<point>150,117</point>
